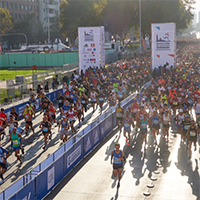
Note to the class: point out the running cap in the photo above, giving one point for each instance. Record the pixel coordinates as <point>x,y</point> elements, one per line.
<point>186,116</point>
<point>27,104</point>
<point>119,103</point>
<point>152,99</point>
<point>185,107</point>
<point>181,110</point>
<point>64,117</point>
<point>143,99</point>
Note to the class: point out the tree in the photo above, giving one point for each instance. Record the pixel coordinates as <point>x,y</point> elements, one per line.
<point>120,16</point>
<point>31,28</point>
<point>6,21</point>
<point>163,11</point>
<point>55,28</point>
<point>80,13</point>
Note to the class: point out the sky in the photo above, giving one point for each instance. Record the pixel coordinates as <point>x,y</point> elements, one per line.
<point>197,6</point>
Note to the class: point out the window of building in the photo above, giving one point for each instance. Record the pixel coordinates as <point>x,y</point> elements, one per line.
<point>11,5</point>
<point>6,4</point>
<point>15,6</point>
<point>45,28</point>
<point>37,18</point>
<point>44,18</point>
<point>19,16</point>
<point>15,16</point>
<point>33,0</point>
<point>19,6</point>
<point>30,8</point>
<point>37,8</point>
<point>1,4</point>
<point>26,7</point>
<point>23,16</point>
<point>44,9</point>
<point>11,14</point>
<point>33,8</point>
<point>22,6</point>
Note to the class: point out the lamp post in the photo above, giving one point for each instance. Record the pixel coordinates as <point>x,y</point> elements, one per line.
<point>140,26</point>
<point>48,21</point>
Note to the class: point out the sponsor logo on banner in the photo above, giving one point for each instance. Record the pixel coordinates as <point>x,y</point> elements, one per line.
<point>50,178</point>
<point>28,197</point>
<point>86,45</point>
<point>96,137</point>
<point>94,49</point>
<point>89,36</point>
<point>73,156</point>
<point>93,59</point>
<point>108,124</point>
<point>89,49</point>
<point>163,42</point>
<point>88,144</point>
<point>92,44</point>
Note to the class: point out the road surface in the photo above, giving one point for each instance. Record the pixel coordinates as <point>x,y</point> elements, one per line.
<point>177,177</point>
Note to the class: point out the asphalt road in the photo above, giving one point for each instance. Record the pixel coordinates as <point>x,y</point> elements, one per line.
<point>34,153</point>
<point>177,177</point>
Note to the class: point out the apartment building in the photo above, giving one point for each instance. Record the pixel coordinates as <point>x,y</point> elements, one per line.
<point>48,10</point>
<point>20,8</point>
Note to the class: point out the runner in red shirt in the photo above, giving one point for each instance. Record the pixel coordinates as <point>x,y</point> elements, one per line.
<point>3,118</point>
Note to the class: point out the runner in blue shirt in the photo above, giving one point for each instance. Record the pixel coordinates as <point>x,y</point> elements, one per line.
<point>3,164</point>
<point>116,160</point>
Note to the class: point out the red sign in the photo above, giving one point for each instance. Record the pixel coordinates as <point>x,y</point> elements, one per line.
<point>34,67</point>
<point>93,45</point>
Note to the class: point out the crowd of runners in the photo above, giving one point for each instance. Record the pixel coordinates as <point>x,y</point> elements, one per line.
<point>173,96</point>
<point>172,100</point>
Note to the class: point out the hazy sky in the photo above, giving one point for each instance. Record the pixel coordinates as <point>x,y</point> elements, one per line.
<point>197,6</point>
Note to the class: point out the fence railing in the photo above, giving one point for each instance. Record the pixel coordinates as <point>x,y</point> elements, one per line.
<point>20,92</point>
<point>39,181</point>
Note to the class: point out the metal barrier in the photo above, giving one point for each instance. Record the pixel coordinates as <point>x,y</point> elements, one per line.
<point>39,182</point>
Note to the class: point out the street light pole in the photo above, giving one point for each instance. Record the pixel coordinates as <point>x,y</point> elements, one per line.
<point>48,24</point>
<point>140,26</point>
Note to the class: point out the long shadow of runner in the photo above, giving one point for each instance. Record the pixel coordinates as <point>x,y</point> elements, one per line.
<point>185,166</point>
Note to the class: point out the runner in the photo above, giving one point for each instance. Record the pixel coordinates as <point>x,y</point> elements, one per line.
<point>101,98</point>
<point>4,118</point>
<point>179,118</point>
<point>79,109</point>
<point>166,120</point>
<point>120,94</point>
<point>52,112</point>
<point>143,129</point>
<point>14,113</point>
<point>127,127</point>
<point>192,137</point>
<point>15,138</point>
<point>119,116</point>
<point>155,121</point>
<point>197,107</point>
<point>175,104</point>
<point>33,102</point>
<point>185,126</point>
<point>60,99</point>
<point>84,101</point>
<point>65,109</point>
<point>116,160</point>
<point>45,125</point>
<point>3,162</point>
<point>64,125</point>
<point>93,96</point>
<point>71,116</point>
<point>29,123</point>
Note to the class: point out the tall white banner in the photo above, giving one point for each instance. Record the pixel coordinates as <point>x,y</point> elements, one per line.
<point>91,53</point>
<point>102,40</point>
<point>163,44</point>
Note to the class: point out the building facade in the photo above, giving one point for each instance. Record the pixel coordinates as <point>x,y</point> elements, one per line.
<point>18,9</point>
<point>48,10</point>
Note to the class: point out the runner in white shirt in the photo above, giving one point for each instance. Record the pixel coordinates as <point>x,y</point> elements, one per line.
<point>93,96</point>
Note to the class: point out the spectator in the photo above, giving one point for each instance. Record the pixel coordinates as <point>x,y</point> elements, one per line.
<point>31,92</point>
<point>46,87</point>
<point>56,81</point>
<point>54,84</point>
<point>39,89</point>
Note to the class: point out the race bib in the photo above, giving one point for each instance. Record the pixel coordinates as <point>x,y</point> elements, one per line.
<point>192,133</point>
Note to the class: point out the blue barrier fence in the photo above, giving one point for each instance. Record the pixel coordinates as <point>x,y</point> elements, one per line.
<point>37,183</point>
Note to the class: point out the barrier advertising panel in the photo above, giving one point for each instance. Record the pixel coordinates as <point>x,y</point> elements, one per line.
<point>102,40</point>
<point>163,44</point>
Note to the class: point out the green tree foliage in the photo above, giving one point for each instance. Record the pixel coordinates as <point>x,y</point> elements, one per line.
<point>120,16</point>
<point>163,11</point>
<point>75,14</point>
<point>31,28</point>
<point>55,28</point>
<point>6,21</point>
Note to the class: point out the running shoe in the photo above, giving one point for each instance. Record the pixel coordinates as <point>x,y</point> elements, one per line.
<point>118,185</point>
<point>50,136</point>
<point>22,150</point>
<point>20,164</point>
<point>126,140</point>
<point>1,182</point>
<point>195,148</point>
<point>128,144</point>
<point>167,140</point>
